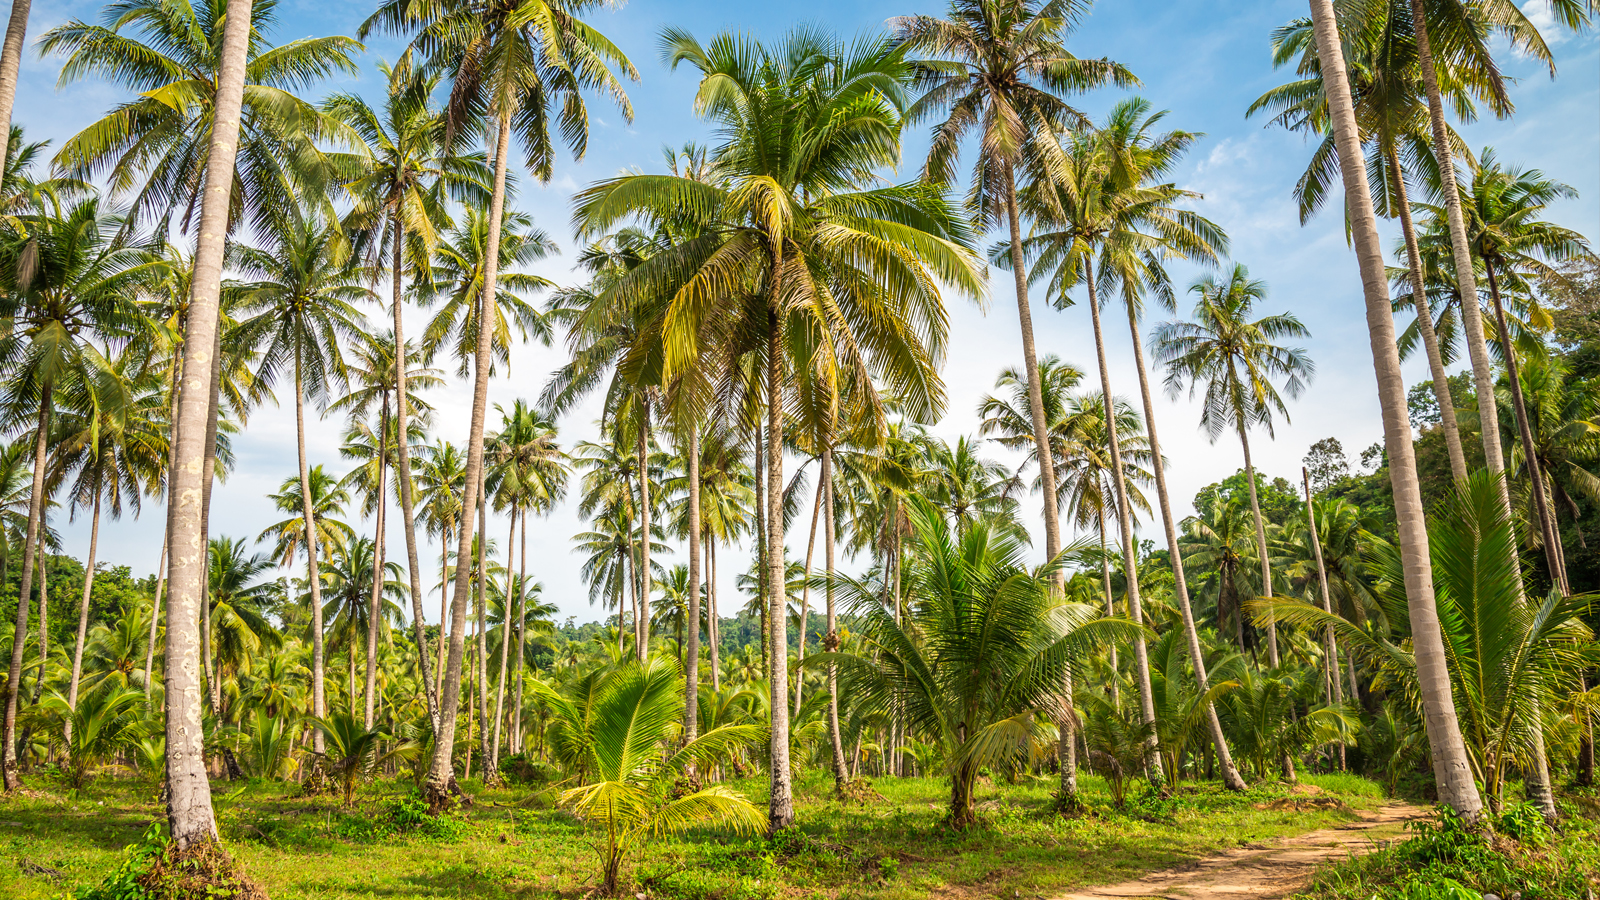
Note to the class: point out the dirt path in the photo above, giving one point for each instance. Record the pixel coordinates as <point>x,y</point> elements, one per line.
<point>1262,872</point>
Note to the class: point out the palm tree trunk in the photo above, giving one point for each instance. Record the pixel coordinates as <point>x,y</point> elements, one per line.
<point>208,479</point>
<point>485,737</point>
<point>319,698</point>
<point>30,547</point>
<point>155,619</point>
<point>1261,540</point>
<point>780,806</point>
<point>1113,687</point>
<point>441,777</point>
<point>642,616</point>
<point>1430,339</point>
<point>522,629</point>
<point>10,65</point>
<point>207,676</point>
<point>714,625</point>
<point>805,595</point>
<point>762,536</point>
<point>1452,769</point>
<point>1130,561</point>
<point>83,611</point>
<point>1483,374</point>
<point>403,458</point>
<point>691,667</point>
<point>444,610</point>
<point>1219,741</point>
<point>1538,779</point>
<point>1330,647</point>
<point>190,818</point>
<point>369,691</point>
<point>512,595</point>
<point>44,612</point>
<point>830,643</point>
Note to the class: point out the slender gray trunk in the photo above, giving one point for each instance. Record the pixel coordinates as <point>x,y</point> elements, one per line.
<point>379,544</point>
<point>10,65</point>
<point>691,653</point>
<point>83,610</point>
<point>805,598</point>
<point>831,642</point>
<point>641,616</point>
<point>714,625</point>
<point>513,593</point>
<point>522,629</point>
<point>780,806</point>
<point>30,547</point>
<point>155,619</point>
<point>491,776</point>
<point>1330,645</point>
<point>1114,686</point>
<point>319,698</point>
<point>1261,540</point>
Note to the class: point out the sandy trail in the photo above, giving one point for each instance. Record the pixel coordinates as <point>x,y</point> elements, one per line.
<point>1262,872</point>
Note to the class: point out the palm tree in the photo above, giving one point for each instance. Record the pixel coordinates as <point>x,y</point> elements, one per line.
<point>619,732</point>
<point>439,486</point>
<point>1450,764</point>
<point>1505,233</point>
<point>408,170</point>
<point>171,57</point>
<point>1001,67</point>
<point>787,149</point>
<point>1238,360</point>
<point>111,444</point>
<point>10,64</point>
<point>303,297</point>
<point>980,652</point>
<point>237,598</point>
<point>512,63</point>
<point>456,280</point>
<point>69,277</point>
<point>348,578</point>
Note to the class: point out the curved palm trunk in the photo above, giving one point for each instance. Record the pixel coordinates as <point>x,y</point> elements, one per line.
<point>1113,687</point>
<point>161,583</point>
<point>691,653</point>
<point>441,775</point>
<point>1047,466</point>
<point>713,624</point>
<point>1451,767</point>
<point>1483,375</point>
<point>1261,542</point>
<point>1219,741</point>
<point>444,608</point>
<point>805,596</point>
<point>1130,561</point>
<point>190,818</point>
<point>403,459</point>
<point>319,698</point>
<point>830,643</point>
<point>369,693</point>
<point>641,616</point>
<point>1430,339</point>
<point>10,65</point>
<point>208,480</point>
<point>486,746</point>
<point>1330,647</point>
<point>512,597</point>
<point>30,547</point>
<point>83,612</point>
<point>780,806</point>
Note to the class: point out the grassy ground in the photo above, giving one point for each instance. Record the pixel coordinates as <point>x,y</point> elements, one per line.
<point>511,844</point>
<point>1517,855</point>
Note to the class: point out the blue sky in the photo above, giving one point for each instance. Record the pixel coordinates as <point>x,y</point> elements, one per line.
<point>1203,61</point>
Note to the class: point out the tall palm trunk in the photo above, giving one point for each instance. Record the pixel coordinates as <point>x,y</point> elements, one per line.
<point>1483,375</point>
<point>831,642</point>
<point>319,697</point>
<point>780,806</point>
<point>641,620</point>
<point>161,582</point>
<point>1330,646</point>
<point>1113,686</point>
<point>1262,553</point>
<point>1130,561</point>
<point>207,481</point>
<point>1430,338</point>
<point>490,775</point>
<point>444,607</point>
<point>762,536</point>
<point>513,594</point>
<point>714,625</point>
<point>83,606</point>
<point>10,65</point>
<point>1219,741</point>
<point>379,544</point>
<point>190,818</point>
<point>805,597</point>
<point>30,547</point>
<point>1451,767</point>
<point>691,653</point>
<point>402,432</point>
<point>155,619</point>
<point>441,776</point>
<point>1047,464</point>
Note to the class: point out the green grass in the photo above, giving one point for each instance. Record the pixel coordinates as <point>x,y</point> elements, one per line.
<point>512,844</point>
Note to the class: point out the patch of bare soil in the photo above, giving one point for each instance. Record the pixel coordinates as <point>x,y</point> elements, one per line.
<point>1262,872</point>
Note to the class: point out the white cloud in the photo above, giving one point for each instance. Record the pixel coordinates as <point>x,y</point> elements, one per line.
<point>1544,19</point>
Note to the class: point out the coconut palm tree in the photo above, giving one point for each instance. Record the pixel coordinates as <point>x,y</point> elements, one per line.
<point>171,57</point>
<point>1238,359</point>
<point>348,579</point>
<point>786,149</point>
<point>1450,763</point>
<point>68,276</point>
<point>1001,68</point>
<point>239,599</point>
<point>512,65</point>
<point>303,297</point>
<point>111,445</point>
<point>407,170</point>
